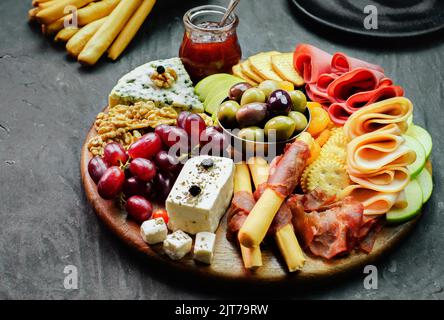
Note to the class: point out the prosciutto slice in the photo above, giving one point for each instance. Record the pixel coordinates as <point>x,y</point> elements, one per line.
<point>241,205</point>
<point>329,229</point>
<point>286,170</point>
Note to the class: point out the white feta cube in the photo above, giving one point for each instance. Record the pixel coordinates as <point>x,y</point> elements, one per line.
<point>204,247</point>
<point>201,194</point>
<point>177,245</point>
<point>154,231</point>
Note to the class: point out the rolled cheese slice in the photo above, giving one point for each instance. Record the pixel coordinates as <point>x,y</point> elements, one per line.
<point>379,115</point>
<point>374,202</point>
<point>389,181</point>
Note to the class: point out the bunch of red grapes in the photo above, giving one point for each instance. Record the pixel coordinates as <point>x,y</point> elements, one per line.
<point>148,170</point>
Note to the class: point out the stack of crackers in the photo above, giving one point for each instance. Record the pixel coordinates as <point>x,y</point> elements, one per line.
<point>272,65</point>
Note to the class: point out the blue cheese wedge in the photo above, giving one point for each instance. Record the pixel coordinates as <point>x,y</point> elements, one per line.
<point>204,247</point>
<point>177,245</point>
<point>138,85</point>
<point>201,194</point>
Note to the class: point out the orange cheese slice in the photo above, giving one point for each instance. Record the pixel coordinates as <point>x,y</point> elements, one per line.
<point>374,202</point>
<point>379,115</point>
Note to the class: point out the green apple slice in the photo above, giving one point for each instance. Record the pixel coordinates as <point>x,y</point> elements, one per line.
<point>426,183</point>
<point>413,195</point>
<point>212,106</point>
<point>423,137</point>
<point>203,87</point>
<point>416,167</point>
<point>222,85</point>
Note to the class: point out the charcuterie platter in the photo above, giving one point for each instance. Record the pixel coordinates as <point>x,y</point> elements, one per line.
<point>287,166</point>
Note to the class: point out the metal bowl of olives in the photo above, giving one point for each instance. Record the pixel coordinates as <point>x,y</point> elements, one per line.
<point>262,122</point>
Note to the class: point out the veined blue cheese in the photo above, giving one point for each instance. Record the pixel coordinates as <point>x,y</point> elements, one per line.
<point>201,194</point>
<point>137,86</point>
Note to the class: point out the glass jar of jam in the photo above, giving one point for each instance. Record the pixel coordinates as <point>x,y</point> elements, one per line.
<point>208,48</point>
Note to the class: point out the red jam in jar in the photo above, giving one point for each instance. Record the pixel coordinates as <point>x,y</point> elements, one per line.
<point>208,48</point>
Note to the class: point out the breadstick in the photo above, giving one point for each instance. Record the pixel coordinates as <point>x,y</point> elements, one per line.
<point>130,29</point>
<point>56,11</point>
<point>85,15</point>
<point>76,44</point>
<point>285,237</point>
<point>47,4</point>
<point>252,257</point>
<point>65,34</point>
<point>32,14</point>
<point>106,34</point>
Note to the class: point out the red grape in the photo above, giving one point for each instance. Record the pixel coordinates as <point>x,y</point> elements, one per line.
<point>133,186</point>
<point>167,162</point>
<point>142,169</point>
<point>162,131</point>
<point>111,183</point>
<point>207,135</point>
<point>177,136</point>
<point>163,183</point>
<point>146,147</point>
<point>181,119</point>
<point>194,125</point>
<point>149,189</point>
<point>139,208</point>
<point>217,145</point>
<point>114,154</point>
<point>96,168</point>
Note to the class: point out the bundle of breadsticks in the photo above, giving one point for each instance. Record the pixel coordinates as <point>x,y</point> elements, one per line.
<point>254,215</point>
<point>91,27</point>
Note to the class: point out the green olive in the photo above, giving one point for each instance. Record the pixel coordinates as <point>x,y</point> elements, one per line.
<point>251,114</point>
<point>252,95</point>
<point>299,100</point>
<point>227,113</point>
<point>299,119</point>
<point>252,134</point>
<point>280,128</point>
<point>268,86</point>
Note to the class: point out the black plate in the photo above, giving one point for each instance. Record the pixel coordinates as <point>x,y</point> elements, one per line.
<point>396,18</point>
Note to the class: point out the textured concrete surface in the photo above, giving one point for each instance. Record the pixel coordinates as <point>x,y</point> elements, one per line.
<point>47,103</point>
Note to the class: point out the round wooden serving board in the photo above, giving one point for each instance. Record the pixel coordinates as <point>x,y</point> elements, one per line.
<point>227,264</point>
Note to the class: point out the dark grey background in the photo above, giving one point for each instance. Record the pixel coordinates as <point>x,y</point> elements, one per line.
<point>47,104</point>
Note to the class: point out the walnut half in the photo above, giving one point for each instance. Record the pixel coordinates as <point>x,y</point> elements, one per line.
<point>164,77</point>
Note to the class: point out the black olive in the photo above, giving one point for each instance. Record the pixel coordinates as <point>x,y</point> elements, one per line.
<point>207,163</point>
<point>195,190</point>
<point>160,69</point>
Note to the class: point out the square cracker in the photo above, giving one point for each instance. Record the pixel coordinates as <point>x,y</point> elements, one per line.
<point>261,64</point>
<point>282,64</point>
<point>237,71</point>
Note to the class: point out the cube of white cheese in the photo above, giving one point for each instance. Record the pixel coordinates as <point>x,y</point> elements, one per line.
<point>154,231</point>
<point>177,245</point>
<point>201,194</point>
<point>204,247</point>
